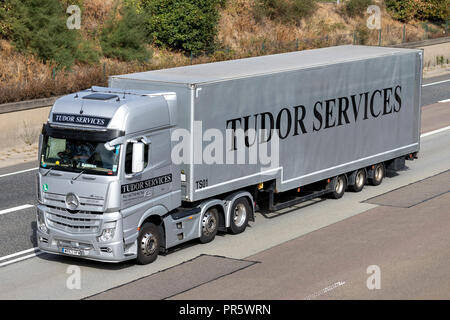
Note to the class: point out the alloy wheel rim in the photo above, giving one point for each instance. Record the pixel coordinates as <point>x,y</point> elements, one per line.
<point>339,185</point>
<point>379,173</point>
<point>240,214</point>
<point>360,179</point>
<point>209,223</point>
<point>148,244</point>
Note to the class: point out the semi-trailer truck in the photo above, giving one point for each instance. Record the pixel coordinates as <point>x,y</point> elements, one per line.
<point>163,157</point>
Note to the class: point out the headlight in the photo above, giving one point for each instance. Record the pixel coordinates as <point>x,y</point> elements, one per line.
<point>41,222</point>
<point>109,229</point>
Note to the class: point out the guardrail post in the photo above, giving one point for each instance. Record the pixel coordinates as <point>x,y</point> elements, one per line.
<point>404,33</point>
<point>379,37</point>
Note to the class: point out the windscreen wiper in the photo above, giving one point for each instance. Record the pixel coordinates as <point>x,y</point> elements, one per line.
<point>48,172</point>
<point>75,178</point>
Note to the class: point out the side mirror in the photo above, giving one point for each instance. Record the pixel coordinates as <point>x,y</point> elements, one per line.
<point>137,162</point>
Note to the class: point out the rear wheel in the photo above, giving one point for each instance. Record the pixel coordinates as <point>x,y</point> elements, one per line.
<point>210,225</point>
<point>377,174</point>
<point>338,184</point>
<point>149,241</point>
<point>360,181</point>
<point>240,213</point>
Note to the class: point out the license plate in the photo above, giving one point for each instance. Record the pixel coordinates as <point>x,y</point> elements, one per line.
<point>73,252</point>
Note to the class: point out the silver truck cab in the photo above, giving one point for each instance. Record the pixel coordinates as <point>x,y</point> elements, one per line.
<point>105,169</point>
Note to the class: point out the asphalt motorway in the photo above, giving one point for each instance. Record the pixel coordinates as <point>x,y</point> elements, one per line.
<point>17,190</point>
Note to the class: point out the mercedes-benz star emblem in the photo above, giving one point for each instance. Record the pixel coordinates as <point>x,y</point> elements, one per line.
<point>72,201</point>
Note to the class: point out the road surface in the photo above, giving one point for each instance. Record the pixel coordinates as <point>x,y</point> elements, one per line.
<point>24,275</point>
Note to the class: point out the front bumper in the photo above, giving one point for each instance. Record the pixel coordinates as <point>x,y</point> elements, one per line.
<point>55,240</point>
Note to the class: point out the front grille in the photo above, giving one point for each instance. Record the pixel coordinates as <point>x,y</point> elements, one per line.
<point>72,212</point>
<point>80,222</point>
<point>59,199</point>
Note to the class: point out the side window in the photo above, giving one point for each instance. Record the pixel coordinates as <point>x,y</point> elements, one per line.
<point>129,157</point>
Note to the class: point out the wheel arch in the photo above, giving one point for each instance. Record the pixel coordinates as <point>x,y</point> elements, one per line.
<point>155,215</point>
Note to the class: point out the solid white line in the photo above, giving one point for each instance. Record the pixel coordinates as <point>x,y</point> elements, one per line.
<point>435,131</point>
<point>17,172</point>
<point>25,206</point>
<point>19,253</point>
<point>443,101</point>
<point>434,83</point>
<point>21,258</point>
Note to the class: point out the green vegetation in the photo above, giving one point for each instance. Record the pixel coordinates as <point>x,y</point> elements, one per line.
<point>41,57</point>
<point>124,38</point>
<point>39,27</point>
<point>187,25</point>
<point>286,11</point>
<point>406,10</point>
<point>353,8</point>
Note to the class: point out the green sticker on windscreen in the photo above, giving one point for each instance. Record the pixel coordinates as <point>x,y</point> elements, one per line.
<point>45,187</point>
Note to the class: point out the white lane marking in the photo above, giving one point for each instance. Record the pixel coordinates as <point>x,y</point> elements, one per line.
<point>17,172</point>
<point>25,206</point>
<point>434,83</point>
<point>435,131</point>
<point>19,253</point>
<point>325,290</point>
<point>21,258</point>
<point>443,101</point>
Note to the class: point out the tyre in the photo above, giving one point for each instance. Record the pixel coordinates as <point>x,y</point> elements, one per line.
<point>240,213</point>
<point>360,181</point>
<point>339,184</point>
<point>210,225</point>
<point>149,242</point>
<point>378,174</point>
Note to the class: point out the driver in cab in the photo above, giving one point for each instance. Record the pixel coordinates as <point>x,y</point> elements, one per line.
<point>76,150</point>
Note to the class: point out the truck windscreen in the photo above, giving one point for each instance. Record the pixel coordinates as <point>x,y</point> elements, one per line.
<point>79,156</point>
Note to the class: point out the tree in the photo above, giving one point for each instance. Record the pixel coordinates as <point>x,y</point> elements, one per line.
<point>406,10</point>
<point>39,27</point>
<point>124,37</point>
<point>187,25</point>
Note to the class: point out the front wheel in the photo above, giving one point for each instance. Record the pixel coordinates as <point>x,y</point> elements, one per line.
<point>149,241</point>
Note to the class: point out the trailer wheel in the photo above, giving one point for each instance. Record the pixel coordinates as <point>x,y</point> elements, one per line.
<point>240,213</point>
<point>210,225</point>
<point>149,241</point>
<point>377,174</point>
<point>339,184</point>
<point>360,181</point>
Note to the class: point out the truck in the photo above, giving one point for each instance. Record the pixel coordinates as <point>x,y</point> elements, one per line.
<point>163,157</point>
